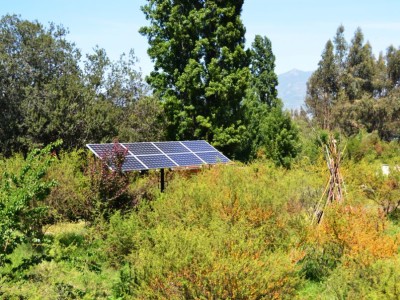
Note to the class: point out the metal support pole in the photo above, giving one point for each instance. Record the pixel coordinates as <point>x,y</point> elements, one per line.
<point>162,181</point>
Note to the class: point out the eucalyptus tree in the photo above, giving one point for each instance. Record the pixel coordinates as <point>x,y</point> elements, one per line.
<point>360,65</point>
<point>323,87</point>
<point>393,65</point>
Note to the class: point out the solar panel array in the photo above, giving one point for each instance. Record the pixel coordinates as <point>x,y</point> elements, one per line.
<point>159,155</point>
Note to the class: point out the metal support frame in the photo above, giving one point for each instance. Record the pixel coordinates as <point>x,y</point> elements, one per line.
<point>162,180</point>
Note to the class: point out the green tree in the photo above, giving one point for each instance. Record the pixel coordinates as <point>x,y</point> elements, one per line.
<point>381,81</point>
<point>144,121</point>
<point>262,67</point>
<point>360,67</point>
<point>96,67</point>
<point>323,87</point>
<point>270,131</point>
<point>41,85</point>
<point>121,103</point>
<point>45,94</point>
<point>341,49</point>
<point>393,65</point>
<point>200,67</point>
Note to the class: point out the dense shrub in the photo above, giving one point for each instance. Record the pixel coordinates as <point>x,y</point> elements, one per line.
<point>380,280</point>
<point>348,235</point>
<point>69,199</point>
<point>224,233</point>
<point>227,232</point>
<point>22,210</point>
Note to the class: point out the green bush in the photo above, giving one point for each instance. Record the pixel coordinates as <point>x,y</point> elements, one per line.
<point>227,232</point>
<point>381,280</point>
<point>224,233</point>
<point>68,201</point>
<point>22,196</point>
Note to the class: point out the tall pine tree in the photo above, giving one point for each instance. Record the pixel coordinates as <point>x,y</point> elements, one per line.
<point>200,67</point>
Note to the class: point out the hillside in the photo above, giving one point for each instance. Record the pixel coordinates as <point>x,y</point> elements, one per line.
<point>292,88</point>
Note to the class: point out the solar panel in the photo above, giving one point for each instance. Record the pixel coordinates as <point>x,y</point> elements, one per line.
<point>198,146</point>
<point>172,147</point>
<point>186,159</point>
<point>132,164</point>
<point>213,157</point>
<point>101,150</point>
<point>158,155</point>
<point>142,148</point>
<point>157,161</point>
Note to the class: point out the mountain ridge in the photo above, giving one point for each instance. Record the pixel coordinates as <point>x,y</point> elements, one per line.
<point>292,88</point>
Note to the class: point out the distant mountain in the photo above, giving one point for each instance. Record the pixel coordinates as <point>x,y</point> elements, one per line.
<point>292,88</point>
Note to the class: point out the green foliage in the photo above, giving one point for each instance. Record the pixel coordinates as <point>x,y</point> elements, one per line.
<point>352,90</point>
<point>200,68</point>
<point>378,281</point>
<point>223,234</point>
<point>46,95</point>
<point>270,133</point>
<point>108,187</point>
<point>322,88</point>
<point>21,202</point>
<point>262,67</point>
<point>393,65</point>
<point>69,199</point>
<point>238,232</point>
<point>42,92</point>
<point>144,120</point>
<point>382,189</point>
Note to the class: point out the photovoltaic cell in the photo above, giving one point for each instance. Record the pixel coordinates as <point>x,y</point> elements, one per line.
<point>171,147</point>
<point>142,148</point>
<point>101,150</point>
<point>213,157</point>
<point>186,159</point>
<point>156,161</point>
<point>131,163</point>
<point>198,146</point>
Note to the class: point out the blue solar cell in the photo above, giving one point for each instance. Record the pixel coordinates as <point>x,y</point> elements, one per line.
<point>142,148</point>
<point>104,150</point>
<point>198,146</point>
<point>172,147</point>
<point>156,161</point>
<point>186,159</point>
<point>132,164</point>
<point>213,157</point>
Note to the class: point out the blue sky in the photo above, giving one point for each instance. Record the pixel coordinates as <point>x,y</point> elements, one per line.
<point>298,29</point>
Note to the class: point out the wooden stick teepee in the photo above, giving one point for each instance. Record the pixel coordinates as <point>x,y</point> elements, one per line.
<point>334,188</point>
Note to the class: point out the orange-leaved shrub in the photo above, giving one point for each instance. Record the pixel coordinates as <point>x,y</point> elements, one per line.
<point>348,234</point>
